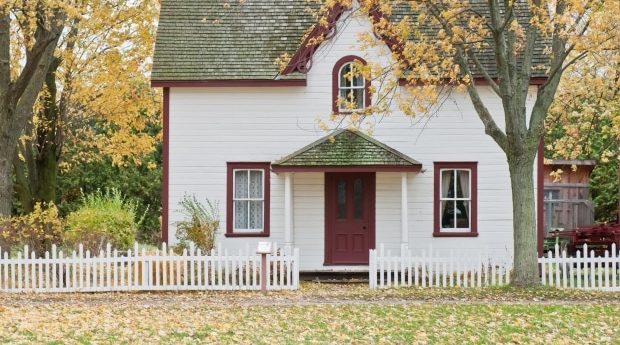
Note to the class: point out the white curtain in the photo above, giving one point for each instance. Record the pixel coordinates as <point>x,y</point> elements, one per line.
<point>241,214</point>
<point>256,184</point>
<point>446,177</point>
<point>464,182</point>
<point>256,215</point>
<point>241,184</point>
<point>465,193</point>
<point>248,213</point>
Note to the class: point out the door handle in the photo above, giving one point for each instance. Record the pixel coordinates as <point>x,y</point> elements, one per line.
<point>364,227</point>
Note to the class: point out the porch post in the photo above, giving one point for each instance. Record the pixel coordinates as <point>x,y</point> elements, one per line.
<point>288,211</point>
<point>404,220</point>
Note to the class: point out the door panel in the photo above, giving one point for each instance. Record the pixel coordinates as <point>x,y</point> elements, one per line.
<point>349,217</point>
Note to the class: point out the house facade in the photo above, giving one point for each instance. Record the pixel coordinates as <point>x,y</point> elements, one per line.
<point>239,132</point>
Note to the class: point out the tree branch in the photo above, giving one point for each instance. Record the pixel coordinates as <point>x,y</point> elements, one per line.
<point>490,126</point>
<point>484,72</point>
<point>5,54</point>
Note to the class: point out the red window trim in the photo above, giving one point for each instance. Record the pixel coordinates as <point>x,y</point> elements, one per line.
<point>473,166</point>
<point>230,167</point>
<point>336,77</point>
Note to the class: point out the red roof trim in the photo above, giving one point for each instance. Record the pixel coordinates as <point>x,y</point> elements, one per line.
<point>347,168</point>
<point>302,59</point>
<point>230,83</point>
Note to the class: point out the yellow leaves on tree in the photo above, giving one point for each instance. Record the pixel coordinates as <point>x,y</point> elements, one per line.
<point>106,97</point>
<point>584,120</point>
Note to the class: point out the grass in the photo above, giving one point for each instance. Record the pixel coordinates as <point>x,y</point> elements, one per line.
<point>317,314</point>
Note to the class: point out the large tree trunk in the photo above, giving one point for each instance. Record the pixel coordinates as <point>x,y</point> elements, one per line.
<point>6,183</point>
<point>17,97</point>
<point>524,220</point>
<point>37,167</point>
<point>7,147</point>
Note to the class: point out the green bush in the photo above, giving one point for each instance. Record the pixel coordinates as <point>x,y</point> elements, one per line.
<point>104,218</point>
<point>141,183</point>
<point>200,224</point>
<point>38,230</point>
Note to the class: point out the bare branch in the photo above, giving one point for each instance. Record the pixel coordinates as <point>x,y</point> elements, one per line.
<point>485,73</point>
<point>490,126</point>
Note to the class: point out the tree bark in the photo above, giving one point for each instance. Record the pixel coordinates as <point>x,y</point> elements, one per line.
<point>6,182</point>
<point>17,98</point>
<point>36,175</point>
<point>524,219</point>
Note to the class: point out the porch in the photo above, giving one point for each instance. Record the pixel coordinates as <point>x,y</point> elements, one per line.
<point>343,194</point>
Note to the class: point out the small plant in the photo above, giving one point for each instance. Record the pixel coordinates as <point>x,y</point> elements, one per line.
<point>200,225</point>
<point>104,218</point>
<point>38,230</point>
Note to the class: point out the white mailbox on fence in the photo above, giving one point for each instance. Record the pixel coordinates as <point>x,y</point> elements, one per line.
<point>263,248</point>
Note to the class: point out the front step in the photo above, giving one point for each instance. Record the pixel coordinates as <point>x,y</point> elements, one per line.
<point>335,277</point>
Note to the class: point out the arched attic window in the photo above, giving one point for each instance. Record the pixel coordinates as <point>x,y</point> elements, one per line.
<point>350,90</point>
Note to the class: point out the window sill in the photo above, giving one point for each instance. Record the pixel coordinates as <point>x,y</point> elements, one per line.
<point>249,234</point>
<point>455,234</point>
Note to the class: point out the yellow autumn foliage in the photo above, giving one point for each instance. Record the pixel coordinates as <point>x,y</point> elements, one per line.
<point>38,230</point>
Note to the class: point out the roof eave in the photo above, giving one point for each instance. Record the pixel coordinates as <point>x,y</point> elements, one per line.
<point>345,168</point>
<point>229,83</point>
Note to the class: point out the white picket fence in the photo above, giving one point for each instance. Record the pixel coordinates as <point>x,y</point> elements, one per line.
<point>435,269</point>
<point>139,270</point>
<point>583,271</point>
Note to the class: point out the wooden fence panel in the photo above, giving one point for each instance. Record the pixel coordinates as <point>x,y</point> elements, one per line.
<point>583,271</point>
<point>138,270</point>
<point>435,269</point>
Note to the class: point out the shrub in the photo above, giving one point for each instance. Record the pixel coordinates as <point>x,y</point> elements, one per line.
<point>38,230</point>
<point>139,182</point>
<point>104,218</point>
<point>201,223</point>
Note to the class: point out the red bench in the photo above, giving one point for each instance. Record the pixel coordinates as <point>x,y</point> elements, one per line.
<point>598,238</point>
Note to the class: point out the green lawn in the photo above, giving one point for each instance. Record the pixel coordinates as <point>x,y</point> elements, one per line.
<point>316,314</point>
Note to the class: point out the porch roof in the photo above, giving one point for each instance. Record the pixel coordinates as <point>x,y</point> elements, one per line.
<point>346,150</point>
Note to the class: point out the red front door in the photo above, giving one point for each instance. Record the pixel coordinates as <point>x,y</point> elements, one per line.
<point>349,217</point>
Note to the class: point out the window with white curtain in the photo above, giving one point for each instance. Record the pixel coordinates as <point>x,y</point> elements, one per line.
<point>248,199</point>
<point>456,200</point>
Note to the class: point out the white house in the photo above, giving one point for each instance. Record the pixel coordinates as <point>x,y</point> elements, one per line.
<point>239,132</point>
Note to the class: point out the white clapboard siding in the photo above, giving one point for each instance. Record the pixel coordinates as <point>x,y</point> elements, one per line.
<point>583,271</point>
<point>432,268</point>
<point>137,270</point>
<point>264,124</point>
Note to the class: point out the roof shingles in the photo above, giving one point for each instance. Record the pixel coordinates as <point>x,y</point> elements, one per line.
<point>346,148</point>
<point>210,40</point>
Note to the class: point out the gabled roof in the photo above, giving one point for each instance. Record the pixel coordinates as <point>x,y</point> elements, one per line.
<point>347,148</point>
<point>210,40</point>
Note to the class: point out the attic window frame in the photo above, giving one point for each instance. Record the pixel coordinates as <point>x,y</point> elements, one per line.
<point>336,84</point>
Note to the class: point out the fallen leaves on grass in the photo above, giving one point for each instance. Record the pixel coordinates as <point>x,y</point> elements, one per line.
<point>317,313</point>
